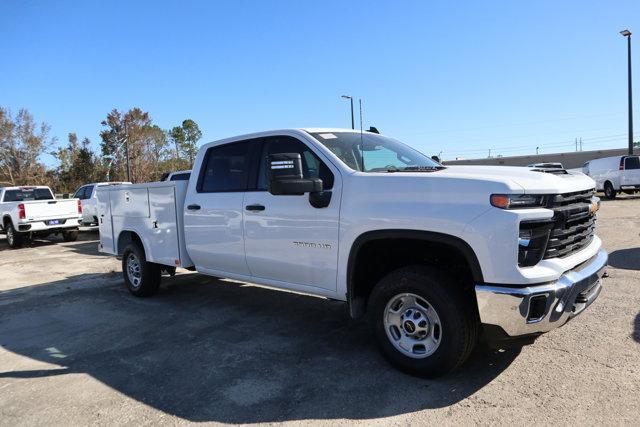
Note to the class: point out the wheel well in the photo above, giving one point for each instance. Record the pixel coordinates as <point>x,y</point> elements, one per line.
<point>372,259</point>
<point>6,220</point>
<point>127,237</point>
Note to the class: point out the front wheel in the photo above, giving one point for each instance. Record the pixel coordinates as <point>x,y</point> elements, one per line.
<point>422,321</point>
<point>14,239</point>
<point>141,277</point>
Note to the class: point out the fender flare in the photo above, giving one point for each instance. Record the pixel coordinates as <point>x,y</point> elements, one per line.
<point>356,307</point>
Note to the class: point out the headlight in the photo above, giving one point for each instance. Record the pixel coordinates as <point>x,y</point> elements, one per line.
<point>515,201</point>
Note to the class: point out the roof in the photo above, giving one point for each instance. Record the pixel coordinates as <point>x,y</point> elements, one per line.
<point>20,187</point>
<point>329,130</point>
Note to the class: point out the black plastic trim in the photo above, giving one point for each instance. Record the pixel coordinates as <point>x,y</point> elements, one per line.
<point>357,307</point>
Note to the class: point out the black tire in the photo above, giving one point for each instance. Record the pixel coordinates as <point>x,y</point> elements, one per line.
<point>609,191</point>
<point>146,280</point>
<point>458,321</point>
<point>14,239</point>
<point>70,236</point>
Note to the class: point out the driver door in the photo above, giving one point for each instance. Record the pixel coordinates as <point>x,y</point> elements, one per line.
<point>286,239</point>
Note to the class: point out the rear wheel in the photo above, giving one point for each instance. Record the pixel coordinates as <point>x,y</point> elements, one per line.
<point>422,321</point>
<point>70,236</point>
<point>141,277</point>
<point>609,191</point>
<point>14,239</point>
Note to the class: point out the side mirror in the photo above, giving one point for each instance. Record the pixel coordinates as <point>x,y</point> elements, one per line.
<point>284,173</point>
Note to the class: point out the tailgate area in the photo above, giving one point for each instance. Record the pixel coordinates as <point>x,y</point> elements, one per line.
<point>41,210</point>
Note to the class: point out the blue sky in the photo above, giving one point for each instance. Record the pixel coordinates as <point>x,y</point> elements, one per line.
<point>456,77</point>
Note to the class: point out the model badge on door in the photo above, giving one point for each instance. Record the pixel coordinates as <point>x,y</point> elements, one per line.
<point>312,245</point>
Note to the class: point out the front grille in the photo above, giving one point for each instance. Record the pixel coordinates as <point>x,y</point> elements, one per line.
<point>573,223</point>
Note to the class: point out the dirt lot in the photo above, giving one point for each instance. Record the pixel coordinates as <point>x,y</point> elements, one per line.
<point>76,348</point>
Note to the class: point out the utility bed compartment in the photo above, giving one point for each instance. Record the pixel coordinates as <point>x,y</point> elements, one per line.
<point>153,211</point>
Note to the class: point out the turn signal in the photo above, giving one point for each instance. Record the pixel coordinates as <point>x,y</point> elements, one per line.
<point>21,212</point>
<point>500,201</point>
<point>79,207</point>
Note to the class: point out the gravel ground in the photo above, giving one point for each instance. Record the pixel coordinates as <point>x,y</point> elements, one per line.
<point>76,348</point>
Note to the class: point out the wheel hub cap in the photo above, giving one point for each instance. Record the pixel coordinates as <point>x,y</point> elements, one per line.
<point>412,325</point>
<point>134,271</point>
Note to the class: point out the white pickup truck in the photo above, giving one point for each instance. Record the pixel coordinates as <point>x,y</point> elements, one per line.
<point>435,256</point>
<point>34,212</point>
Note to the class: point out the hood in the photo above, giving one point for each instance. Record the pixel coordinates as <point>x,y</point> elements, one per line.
<point>532,182</point>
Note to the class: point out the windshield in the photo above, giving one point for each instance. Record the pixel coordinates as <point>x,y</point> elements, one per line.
<point>25,194</point>
<point>367,152</point>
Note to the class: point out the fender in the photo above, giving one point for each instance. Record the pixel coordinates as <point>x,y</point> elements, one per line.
<point>144,244</point>
<point>356,306</point>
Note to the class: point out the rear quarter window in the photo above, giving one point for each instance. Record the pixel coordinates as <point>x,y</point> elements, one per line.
<point>632,163</point>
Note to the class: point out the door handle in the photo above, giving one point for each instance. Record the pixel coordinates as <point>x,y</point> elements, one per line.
<point>193,207</point>
<point>254,207</point>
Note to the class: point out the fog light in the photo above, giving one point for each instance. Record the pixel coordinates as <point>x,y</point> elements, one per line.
<point>537,308</point>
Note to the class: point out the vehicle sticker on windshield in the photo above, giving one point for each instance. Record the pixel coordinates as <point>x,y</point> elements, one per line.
<point>328,136</point>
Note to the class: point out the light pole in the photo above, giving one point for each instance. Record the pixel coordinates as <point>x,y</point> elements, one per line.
<point>627,34</point>
<point>350,98</point>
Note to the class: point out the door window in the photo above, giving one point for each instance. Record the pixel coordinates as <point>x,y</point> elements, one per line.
<point>88,191</point>
<point>80,193</point>
<point>312,166</point>
<point>225,168</point>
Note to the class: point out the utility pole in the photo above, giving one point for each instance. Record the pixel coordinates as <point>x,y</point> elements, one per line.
<point>489,153</point>
<point>580,143</point>
<point>627,34</point>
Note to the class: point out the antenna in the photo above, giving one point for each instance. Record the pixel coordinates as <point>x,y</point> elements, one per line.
<point>361,143</point>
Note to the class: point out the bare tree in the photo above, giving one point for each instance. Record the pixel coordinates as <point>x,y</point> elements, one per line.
<point>22,142</point>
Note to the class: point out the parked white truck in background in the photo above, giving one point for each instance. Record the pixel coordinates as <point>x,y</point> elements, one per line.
<point>614,174</point>
<point>33,211</point>
<point>434,255</point>
<point>183,175</point>
<point>88,198</point>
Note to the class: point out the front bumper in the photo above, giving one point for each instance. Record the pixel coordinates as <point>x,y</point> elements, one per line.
<point>536,309</point>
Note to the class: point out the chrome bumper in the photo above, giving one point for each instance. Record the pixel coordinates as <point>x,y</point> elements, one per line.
<point>536,309</point>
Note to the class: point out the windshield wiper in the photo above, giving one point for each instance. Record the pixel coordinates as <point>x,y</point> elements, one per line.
<point>421,169</point>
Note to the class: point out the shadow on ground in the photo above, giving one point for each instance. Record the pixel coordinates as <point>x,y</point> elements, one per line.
<point>86,243</point>
<point>210,350</point>
<point>626,259</point>
<point>636,328</point>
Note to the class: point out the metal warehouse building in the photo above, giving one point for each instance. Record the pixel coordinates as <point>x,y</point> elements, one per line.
<point>569,160</point>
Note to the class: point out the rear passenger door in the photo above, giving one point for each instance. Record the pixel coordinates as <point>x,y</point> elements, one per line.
<point>286,238</point>
<point>214,211</point>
